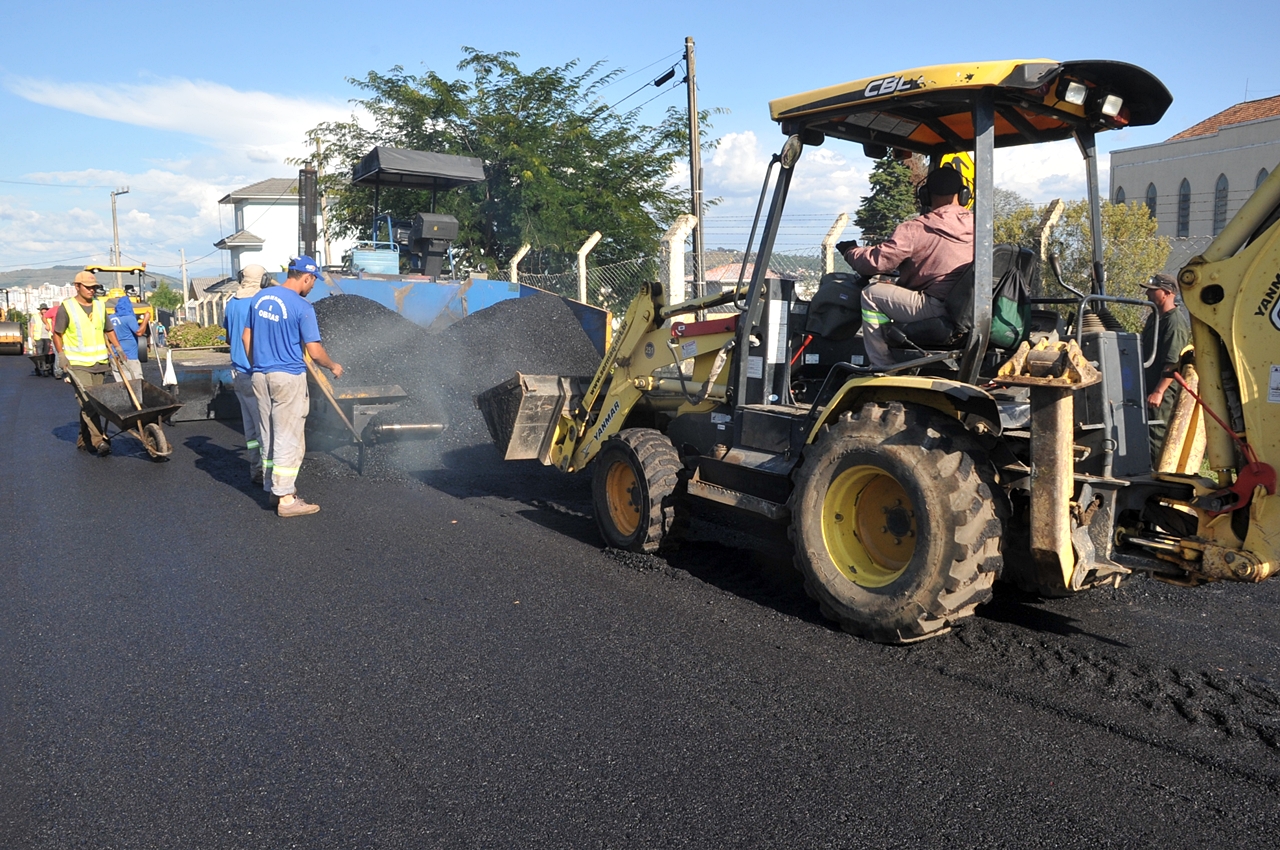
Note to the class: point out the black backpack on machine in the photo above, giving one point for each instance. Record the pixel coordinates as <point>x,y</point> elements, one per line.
<point>1015,273</point>
<point>835,313</point>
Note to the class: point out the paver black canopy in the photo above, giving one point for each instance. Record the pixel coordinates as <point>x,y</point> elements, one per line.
<point>398,168</point>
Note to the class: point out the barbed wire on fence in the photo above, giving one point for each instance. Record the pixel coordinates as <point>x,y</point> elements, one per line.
<point>614,286</point>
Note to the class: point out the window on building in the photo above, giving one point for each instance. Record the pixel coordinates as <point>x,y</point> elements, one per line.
<point>1184,208</point>
<point>1262,176</point>
<point>1119,195</point>
<point>1151,199</point>
<point>1220,204</point>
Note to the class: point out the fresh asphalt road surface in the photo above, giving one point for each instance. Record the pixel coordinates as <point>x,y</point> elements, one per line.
<point>441,663</point>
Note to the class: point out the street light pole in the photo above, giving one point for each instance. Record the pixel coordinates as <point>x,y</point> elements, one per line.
<point>115,231</point>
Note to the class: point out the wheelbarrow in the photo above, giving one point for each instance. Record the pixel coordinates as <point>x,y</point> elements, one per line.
<point>134,407</point>
<point>43,364</point>
<point>355,407</point>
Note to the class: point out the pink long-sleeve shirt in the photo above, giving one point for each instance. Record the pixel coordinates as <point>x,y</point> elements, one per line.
<point>931,251</point>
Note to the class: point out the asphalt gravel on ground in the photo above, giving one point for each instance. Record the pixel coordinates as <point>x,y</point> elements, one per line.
<point>445,660</point>
<point>442,372</point>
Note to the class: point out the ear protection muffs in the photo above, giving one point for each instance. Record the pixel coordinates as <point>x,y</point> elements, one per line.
<point>924,197</point>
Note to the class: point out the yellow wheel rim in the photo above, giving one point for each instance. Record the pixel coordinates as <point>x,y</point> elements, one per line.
<point>869,526</point>
<point>623,490</point>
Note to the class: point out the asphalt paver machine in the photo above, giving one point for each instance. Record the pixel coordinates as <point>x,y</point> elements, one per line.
<point>907,491</point>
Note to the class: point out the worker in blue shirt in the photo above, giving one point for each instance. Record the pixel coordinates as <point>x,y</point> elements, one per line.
<point>282,328</point>
<point>124,321</point>
<point>235,319</point>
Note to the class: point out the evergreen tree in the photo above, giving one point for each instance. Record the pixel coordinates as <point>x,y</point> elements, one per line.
<point>891,202</point>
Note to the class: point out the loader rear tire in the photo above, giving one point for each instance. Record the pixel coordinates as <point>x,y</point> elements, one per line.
<point>637,492</point>
<point>894,523</point>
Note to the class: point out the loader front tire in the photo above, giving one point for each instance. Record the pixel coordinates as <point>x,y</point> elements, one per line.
<point>895,527</point>
<point>636,490</point>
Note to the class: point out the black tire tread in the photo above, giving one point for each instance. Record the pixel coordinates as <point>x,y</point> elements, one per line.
<point>947,453</point>
<point>660,463</point>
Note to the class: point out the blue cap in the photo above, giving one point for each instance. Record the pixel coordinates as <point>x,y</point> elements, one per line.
<point>305,264</point>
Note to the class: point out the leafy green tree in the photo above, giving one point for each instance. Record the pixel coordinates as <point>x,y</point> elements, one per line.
<point>891,202</point>
<point>1131,250</point>
<point>165,297</point>
<point>559,163</point>
<point>1007,203</point>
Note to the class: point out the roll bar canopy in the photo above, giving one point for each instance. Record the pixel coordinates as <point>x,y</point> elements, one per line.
<point>929,110</point>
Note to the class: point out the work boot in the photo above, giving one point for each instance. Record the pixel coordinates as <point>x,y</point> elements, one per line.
<point>296,508</point>
<point>256,478</point>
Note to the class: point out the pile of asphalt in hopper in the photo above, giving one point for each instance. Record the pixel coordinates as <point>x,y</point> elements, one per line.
<point>443,372</point>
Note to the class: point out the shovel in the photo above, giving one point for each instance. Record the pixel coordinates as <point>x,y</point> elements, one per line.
<point>323,383</point>
<point>118,360</point>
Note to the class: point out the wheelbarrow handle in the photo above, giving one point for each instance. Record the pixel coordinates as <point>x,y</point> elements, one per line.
<point>118,358</point>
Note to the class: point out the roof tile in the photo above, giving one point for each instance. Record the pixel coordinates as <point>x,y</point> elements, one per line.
<point>1250,110</point>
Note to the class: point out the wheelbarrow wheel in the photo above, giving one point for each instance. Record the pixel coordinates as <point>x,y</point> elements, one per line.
<point>156,442</point>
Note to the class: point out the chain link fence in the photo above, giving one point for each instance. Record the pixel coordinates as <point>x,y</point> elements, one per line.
<point>613,287</point>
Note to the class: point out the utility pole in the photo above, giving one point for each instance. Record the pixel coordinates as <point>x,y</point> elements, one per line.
<point>324,213</point>
<point>115,231</point>
<point>182,252</point>
<point>695,170</point>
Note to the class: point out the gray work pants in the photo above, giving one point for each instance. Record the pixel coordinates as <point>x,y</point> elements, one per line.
<point>283,401</point>
<point>886,302</point>
<point>132,367</point>
<point>243,384</point>
<point>90,422</point>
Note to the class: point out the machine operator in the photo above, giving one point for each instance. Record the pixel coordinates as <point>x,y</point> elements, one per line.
<point>930,252</point>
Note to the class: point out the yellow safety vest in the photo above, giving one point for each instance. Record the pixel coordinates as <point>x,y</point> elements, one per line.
<point>85,340</point>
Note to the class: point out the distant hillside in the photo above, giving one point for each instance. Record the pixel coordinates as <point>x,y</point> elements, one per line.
<point>58,275</point>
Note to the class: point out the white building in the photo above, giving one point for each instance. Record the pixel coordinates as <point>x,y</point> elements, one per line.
<point>1194,182</point>
<point>265,223</point>
<point>29,298</point>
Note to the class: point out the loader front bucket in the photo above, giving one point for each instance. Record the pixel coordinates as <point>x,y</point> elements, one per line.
<point>522,413</point>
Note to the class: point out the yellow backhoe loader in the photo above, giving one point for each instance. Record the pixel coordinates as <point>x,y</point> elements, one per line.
<point>1009,440</point>
<point>135,289</point>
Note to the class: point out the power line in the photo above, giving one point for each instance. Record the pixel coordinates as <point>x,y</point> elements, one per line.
<point>671,88</point>
<point>652,82</point>
<point>638,70</point>
<point>50,262</point>
<point>55,185</point>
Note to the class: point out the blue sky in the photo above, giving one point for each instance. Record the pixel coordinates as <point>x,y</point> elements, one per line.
<point>184,102</point>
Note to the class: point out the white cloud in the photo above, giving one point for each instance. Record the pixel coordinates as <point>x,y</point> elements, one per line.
<point>173,204</point>
<point>164,212</point>
<point>738,162</point>
<point>1041,173</point>
<point>826,183</point>
<point>260,124</point>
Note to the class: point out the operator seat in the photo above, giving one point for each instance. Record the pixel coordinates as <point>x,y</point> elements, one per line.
<point>1015,274</point>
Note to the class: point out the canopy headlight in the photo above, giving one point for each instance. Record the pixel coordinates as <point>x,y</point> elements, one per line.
<point>1075,93</point>
<point>1111,105</point>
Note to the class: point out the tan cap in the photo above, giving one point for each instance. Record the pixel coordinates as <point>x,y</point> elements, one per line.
<point>86,278</point>
<point>1162,281</point>
<point>252,275</point>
